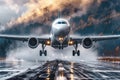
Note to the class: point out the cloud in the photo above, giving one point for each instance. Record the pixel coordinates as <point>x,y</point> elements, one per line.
<point>2,28</point>
<point>2,3</point>
<point>15,5</point>
<point>42,11</point>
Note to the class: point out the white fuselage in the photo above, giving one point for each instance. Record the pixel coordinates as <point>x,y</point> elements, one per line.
<point>60,33</point>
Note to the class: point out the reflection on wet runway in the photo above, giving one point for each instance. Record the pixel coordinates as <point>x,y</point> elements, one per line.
<point>65,70</point>
<point>72,71</point>
<point>11,68</point>
<point>60,73</point>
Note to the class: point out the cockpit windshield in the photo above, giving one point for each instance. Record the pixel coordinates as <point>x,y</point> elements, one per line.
<point>62,22</point>
<point>59,23</point>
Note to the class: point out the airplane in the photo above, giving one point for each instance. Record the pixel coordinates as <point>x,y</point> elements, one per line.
<point>60,38</point>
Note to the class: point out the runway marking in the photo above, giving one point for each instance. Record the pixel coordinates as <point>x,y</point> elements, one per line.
<point>106,71</point>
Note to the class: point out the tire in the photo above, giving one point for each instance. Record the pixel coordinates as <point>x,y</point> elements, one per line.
<point>40,53</point>
<point>73,53</point>
<point>45,53</point>
<point>59,47</point>
<point>78,53</point>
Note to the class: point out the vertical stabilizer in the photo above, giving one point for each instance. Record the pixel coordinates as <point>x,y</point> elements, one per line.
<point>59,14</point>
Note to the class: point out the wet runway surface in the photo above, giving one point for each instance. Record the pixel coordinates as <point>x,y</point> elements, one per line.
<point>65,70</point>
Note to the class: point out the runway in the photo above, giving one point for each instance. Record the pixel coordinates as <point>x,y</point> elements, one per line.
<point>65,70</point>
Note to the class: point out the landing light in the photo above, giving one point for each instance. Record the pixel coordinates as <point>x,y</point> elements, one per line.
<point>61,38</point>
<point>70,42</point>
<point>48,43</point>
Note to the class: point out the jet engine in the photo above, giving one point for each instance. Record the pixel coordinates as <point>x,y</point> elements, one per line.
<point>33,42</point>
<point>87,43</point>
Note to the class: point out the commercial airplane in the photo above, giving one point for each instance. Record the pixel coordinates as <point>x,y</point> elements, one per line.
<point>60,38</point>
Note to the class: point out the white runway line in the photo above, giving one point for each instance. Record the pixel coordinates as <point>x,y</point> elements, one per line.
<point>106,71</point>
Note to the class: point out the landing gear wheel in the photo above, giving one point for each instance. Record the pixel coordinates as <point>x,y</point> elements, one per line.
<point>43,52</point>
<point>73,53</point>
<point>40,53</point>
<point>78,53</point>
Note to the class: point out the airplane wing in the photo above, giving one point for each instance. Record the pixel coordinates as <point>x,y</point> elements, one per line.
<point>25,38</point>
<point>74,38</point>
<point>95,38</point>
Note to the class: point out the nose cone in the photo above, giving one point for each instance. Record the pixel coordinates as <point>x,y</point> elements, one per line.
<point>60,23</point>
<point>60,27</point>
<point>62,30</point>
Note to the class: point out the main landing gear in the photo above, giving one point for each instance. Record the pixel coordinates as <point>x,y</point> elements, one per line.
<point>76,51</point>
<point>43,51</point>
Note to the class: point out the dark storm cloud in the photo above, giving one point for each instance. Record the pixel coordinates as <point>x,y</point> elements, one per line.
<point>102,20</point>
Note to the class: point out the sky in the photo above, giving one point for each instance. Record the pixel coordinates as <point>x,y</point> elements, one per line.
<point>25,9</point>
<point>11,9</point>
<point>14,13</point>
<point>87,17</point>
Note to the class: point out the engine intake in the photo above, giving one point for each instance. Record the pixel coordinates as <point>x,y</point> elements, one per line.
<point>87,43</point>
<point>33,42</point>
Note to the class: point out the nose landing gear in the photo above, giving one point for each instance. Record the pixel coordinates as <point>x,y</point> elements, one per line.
<point>43,51</point>
<point>76,51</point>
